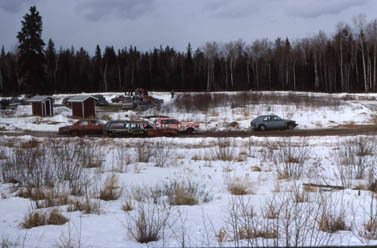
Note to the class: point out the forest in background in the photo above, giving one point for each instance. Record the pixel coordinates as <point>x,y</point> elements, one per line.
<point>345,61</point>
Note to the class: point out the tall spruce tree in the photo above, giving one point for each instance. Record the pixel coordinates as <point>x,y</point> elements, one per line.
<point>51,61</point>
<point>31,62</point>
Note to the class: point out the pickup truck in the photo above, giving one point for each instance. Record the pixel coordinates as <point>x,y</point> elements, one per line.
<point>171,123</point>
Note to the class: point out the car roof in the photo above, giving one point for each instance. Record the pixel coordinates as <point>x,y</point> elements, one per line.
<point>264,115</point>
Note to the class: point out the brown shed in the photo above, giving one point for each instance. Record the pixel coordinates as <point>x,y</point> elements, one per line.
<point>83,106</point>
<point>42,105</point>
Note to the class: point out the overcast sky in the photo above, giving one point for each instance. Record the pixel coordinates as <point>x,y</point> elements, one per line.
<point>150,23</point>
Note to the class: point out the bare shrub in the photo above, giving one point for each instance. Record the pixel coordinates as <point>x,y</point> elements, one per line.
<point>299,194</point>
<point>29,167</point>
<point>224,150</point>
<point>110,189</point>
<point>46,166</point>
<point>332,218</point>
<point>91,155</point>
<point>122,160</point>
<point>147,193</point>
<point>144,152</point>
<point>270,209</point>
<point>370,224</point>
<point>66,159</point>
<point>3,155</point>
<point>161,153</point>
<point>86,206</point>
<point>290,159</point>
<point>295,224</point>
<point>8,243</point>
<point>354,159</point>
<point>244,223</point>
<point>148,222</point>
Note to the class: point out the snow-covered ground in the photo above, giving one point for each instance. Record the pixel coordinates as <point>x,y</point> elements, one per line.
<point>275,209</point>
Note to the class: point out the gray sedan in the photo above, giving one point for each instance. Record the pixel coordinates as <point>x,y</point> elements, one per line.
<point>271,122</point>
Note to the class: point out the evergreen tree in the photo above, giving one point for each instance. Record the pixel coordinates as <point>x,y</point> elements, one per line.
<point>32,61</point>
<point>51,65</point>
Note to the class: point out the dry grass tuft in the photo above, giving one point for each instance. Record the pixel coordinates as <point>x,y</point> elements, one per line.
<point>332,223</point>
<point>127,206</point>
<point>29,144</point>
<point>56,218</point>
<point>308,188</point>
<point>238,186</point>
<point>87,206</point>
<point>187,192</point>
<point>256,168</point>
<point>33,219</point>
<point>111,190</point>
<point>253,233</point>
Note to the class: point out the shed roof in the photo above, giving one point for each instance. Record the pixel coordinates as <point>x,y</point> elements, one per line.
<point>39,98</point>
<point>80,98</point>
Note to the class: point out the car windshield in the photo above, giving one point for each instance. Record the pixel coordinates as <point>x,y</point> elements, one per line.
<point>277,118</point>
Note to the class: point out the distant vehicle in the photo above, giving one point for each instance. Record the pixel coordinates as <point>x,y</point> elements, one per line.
<point>171,123</point>
<point>121,99</point>
<point>101,100</point>
<point>11,103</point>
<point>271,122</point>
<point>83,127</point>
<point>135,129</point>
<point>65,101</point>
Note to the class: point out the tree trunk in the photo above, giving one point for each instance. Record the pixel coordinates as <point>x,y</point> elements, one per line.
<point>316,78</point>
<point>364,66</point>
<point>248,73</point>
<point>105,78</point>
<point>374,66</point>
<point>231,73</point>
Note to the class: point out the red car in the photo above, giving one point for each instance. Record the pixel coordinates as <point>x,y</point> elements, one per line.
<point>180,126</point>
<point>83,127</point>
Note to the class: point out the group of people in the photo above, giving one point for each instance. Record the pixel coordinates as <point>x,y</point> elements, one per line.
<point>142,92</point>
<point>138,92</point>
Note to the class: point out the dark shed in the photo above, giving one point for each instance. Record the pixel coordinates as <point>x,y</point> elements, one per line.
<point>42,105</point>
<point>83,106</point>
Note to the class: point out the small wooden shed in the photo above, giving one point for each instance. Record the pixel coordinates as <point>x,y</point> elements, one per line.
<point>42,105</point>
<point>83,106</point>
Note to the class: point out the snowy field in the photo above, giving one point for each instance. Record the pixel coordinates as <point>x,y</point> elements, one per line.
<point>193,192</point>
<point>309,110</point>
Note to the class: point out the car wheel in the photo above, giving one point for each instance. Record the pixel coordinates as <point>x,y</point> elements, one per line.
<point>262,127</point>
<point>290,126</point>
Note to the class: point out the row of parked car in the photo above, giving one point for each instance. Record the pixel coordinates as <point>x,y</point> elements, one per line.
<point>154,126</point>
<point>150,126</point>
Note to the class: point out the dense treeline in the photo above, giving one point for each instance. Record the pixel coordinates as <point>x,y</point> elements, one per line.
<point>343,62</point>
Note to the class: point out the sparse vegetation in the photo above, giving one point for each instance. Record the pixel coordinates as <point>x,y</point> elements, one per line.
<point>240,186</point>
<point>34,219</point>
<point>148,221</point>
<point>111,189</point>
